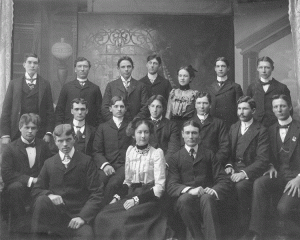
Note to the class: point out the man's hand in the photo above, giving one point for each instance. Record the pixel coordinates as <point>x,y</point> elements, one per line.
<point>209,191</point>
<point>108,170</point>
<point>294,186</point>
<point>229,170</point>
<point>56,199</point>
<point>236,177</point>
<point>76,223</point>
<point>128,204</point>
<point>199,191</point>
<point>47,138</point>
<point>6,140</point>
<point>272,171</point>
<point>34,180</point>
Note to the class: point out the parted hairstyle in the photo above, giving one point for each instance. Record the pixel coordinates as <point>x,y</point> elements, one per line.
<point>154,56</point>
<point>31,55</point>
<point>265,59</point>
<point>116,99</point>
<point>204,94</point>
<point>30,117</point>
<point>159,98</point>
<point>125,58</point>
<point>189,69</point>
<point>223,59</point>
<point>81,59</point>
<point>79,100</point>
<point>191,123</point>
<point>135,123</point>
<point>248,100</point>
<point>63,129</point>
<point>283,97</point>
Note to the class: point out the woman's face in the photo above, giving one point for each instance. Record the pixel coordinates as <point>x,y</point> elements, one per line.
<point>142,134</point>
<point>183,77</point>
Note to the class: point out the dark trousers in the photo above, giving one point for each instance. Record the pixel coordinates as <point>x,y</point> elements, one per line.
<point>48,217</point>
<point>112,183</point>
<point>263,189</point>
<point>199,215</point>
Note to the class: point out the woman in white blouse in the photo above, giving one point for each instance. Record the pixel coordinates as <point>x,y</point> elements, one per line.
<point>135,212</point>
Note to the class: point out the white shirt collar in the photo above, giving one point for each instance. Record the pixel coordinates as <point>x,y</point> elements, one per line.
<point>266,80</point>
<point>202,117</point>
<point>25,141</point>
<point>247,124</point>
<point>28,77</point>
<point>152,76</point>
<point>189,148</point>
<point>156,119</point>
<point>78,123</point>
<point>222,79</point>
<point>71,153</point>
<point>82,80</point>
<point>124,80</point>
<point>117,120</point>
<point>285,122</point>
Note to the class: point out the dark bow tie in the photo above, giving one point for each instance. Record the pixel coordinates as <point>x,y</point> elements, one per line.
<point>29,145</point>
<point>284,126</point>
<point>156,122</point>
<point>30,79</point>
<point>265,83</point>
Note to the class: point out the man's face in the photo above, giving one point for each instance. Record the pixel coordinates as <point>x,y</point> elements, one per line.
<point>64,143</point>
<point>152,66</point>
<point>156,109</point>
<point>82,69</point>
<point>244,112</point>
<point>31,65</point>
<point>264,69</point>
<point>125,69</point>
<point>190,135</point>
<point>202,106</point>
<point>79,111</point>
<point>28,131</point>
<point>221,69</point>
<point>281,109</point>
<point>118,109</point>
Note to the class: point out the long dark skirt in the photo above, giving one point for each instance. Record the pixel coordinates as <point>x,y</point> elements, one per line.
<point>143,221</point>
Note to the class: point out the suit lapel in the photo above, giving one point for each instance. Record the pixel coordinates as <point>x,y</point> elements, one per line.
<point>259,87</point>
<point>228,85</point>
<point>86,85</point>
<point>132,86</point>
<point>234,136</point>
<point>156,81</point>
<point>207,121</point>
<point>18,89</point>
<point>251,133</point>
<point>21,148</point>
<point>87,136</point>
<point>199,156</point>
<point>73,163</point>
<point>58,163</point>
<point>38,147</point>
<point>214,87</point>
<point>113,125</point>
<point>295,132</point>
<point>120,85</point>
<point>273,131</point>
<point>162,123</point>
<point>272,86</point>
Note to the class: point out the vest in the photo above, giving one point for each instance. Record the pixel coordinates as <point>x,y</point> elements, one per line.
<point>283,152</point>
<point>80,142</point>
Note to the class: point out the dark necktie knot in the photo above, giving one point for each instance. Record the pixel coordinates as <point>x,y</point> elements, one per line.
<point>32,144</point>
<point>284,126</point>
<point>192,151</point>
<point>156,122</point>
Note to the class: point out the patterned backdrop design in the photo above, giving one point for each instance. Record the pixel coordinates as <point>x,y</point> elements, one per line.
<point>179,39</point>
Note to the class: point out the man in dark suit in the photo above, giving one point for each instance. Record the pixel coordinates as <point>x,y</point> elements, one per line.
<point>263,90</point>
<point>68,193</point>
<point>166,133</point>
<point>248,159</point>
<point>197,181</point>
<point>155,84</point>
<point>224,93</point>
<point>213,133</point>
<point>80,88</point>
<point>282,180</point>
<point>22,161</point>
<point>109,149</point>
<point>133,92</point>
<point>28,94</point>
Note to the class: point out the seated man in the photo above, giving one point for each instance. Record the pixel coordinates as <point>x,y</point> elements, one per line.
<point>248,159</point>
<point>283,178</point>
<point>22,161</point>
<point>197,181</point>
<point>213,133</point>
<point>68,193</point>
<point>110,146</point>
<point>166,133</point>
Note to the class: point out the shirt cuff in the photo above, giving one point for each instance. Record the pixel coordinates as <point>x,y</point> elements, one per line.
<point>245,174</point>
<point>185,190</point>
<point>5,136</point>
<point>49,133</point>
<point>228,165</point>
<point>216,194</point>
<point>103,165</point>
<point>29,182</point>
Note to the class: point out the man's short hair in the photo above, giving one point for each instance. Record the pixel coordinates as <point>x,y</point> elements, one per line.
<point>248,100</point>
<point>63,129</point>
<point>159,98</point>
<point>125,58</point>
<point>265,59</point>
<point>223,59</point>
<point>204,94</point>
<point>31,55</point>
<point>30,117</point>
<point>81,59</point>
<point>283,97</point>
<point>191,123</point>
<point>78,101</point>
<point>154,56</point>
<point>116,99</point>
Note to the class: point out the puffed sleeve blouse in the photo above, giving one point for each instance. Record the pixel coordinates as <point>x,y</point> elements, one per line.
<point>145,166</point>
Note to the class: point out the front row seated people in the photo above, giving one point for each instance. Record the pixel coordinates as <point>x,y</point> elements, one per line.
<point>197,181</point>
<point>282,180</point>
<point>249,158</point>
<point>68,194</point>
<point>109,148</point>
<point>22,161</point>
<point>135,213</point>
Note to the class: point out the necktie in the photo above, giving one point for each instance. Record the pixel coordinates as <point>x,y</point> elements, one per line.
<point>192,151</point>
<point>221,83</point>
<point>156,122</point>
<point>78,132</point>
<point>82,83</point>
<point>30,83</point>
<point>29,145</point>
<point>66,160</point>
<point>265,83</point>
<point>126,84</point>
<point>284,126</point>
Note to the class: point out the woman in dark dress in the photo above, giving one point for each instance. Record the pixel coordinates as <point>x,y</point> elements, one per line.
<point>135,211</point>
